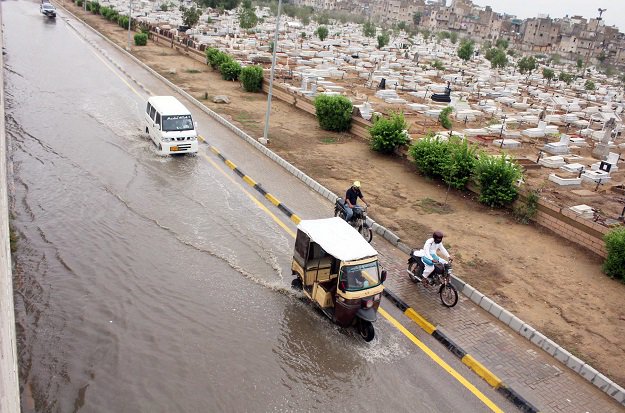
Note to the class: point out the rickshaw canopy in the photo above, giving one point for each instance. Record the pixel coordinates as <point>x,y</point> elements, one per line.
<point>337,238</point>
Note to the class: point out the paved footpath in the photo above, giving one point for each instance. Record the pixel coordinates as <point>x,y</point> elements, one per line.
<point>535,375</point>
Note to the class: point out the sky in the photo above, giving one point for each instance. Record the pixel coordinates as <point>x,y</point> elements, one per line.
<point>613,16</point>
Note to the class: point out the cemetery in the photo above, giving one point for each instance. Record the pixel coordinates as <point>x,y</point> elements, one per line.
<point>573,134</point>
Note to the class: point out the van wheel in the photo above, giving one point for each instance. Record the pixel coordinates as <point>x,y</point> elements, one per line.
<point>147,131</point>
<point>160,147</point>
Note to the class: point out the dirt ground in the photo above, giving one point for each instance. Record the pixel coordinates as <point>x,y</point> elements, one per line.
<point>545,280</point>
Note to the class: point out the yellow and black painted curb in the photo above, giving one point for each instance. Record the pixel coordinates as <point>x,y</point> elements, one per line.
<point>251,182</point>
<point>467,359</point>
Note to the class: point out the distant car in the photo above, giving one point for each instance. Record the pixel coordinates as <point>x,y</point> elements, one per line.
<point>48,10</point>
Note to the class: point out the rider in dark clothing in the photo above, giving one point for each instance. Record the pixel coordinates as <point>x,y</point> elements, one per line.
<point>351,198</point>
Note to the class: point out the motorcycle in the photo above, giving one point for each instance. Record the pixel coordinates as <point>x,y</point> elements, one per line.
<point>440,277</point>
<point>359,218</point>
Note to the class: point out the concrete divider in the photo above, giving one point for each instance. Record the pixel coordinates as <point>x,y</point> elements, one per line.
<point>9,385</point>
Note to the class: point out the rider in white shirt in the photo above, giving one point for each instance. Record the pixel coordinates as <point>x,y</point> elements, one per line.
<point>431,248</point>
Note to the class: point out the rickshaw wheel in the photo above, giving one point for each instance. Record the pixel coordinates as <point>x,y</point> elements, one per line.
<point>365,328</point>
<point>296,284</point>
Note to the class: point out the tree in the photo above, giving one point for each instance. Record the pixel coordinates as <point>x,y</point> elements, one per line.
<point>368,29</point>
<point>383,40</point>
<point>220,4</point>
<point>453,37</point>
<point>589,85</point>
<point>579,63</point>
<point>548,74</point>
<point>555,59</point>
<point>502,44</point>
<point>566,77</point>
<point>190,16</point>
<point>497,57</point>
<point>486,45</point>
<point>323,18</point>
<point>322,32</point>
<point>466,50</point>
<point>247,17</point>
<point>426,34</point>
<point>402,26</point>
<point>164,7</point>
<point>438,65</point>
<point>527,65</point>
<point>602,56</point>
<point>416,18</point>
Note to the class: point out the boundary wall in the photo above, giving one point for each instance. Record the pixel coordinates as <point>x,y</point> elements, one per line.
<point>9,385</point>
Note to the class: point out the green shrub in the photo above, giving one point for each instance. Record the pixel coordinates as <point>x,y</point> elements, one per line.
<point>524,212</point>
<point>123,21</point>
<point>388,134</point>
<point>79,3</point>
<point>430,155</point>
<point>614,264</point>
<point>460,163</point>
<point>105,11</point>
<point>496,177</point>
<point>141,39</point>
<point>334,113</point>
<point>94,6</point>
<point>252,78</point>
<point>443,117</point>
<point>230,70</point>
<point>216,59</point>
<point>210,54</point>
<point>113,16</point>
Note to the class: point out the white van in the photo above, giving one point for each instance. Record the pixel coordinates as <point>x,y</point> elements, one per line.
<point>170,125</point>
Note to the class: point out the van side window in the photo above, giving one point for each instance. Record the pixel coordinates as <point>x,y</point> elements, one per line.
<point>147,110</point>
<point>152,112</point>
<point>158,118</point>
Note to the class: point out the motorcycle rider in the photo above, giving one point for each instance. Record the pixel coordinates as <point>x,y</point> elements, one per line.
<point>351,198</point>
<point>431,247</point>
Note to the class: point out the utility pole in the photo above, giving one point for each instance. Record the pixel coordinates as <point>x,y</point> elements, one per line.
<point>594,41</point>
<point>273,69</point>
<point>129,22</point>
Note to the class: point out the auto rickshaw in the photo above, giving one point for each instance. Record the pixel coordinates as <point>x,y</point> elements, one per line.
<point>339,271</point>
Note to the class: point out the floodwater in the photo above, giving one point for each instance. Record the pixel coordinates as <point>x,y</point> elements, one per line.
<point>152,284</point>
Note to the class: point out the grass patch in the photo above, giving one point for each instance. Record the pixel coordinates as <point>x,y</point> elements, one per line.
<point>431,206</point>
<point>193,71</point>
<point>328,140</point>
<point>244,117</point>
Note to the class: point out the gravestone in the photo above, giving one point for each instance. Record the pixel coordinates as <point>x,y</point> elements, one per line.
<point>602,149</point>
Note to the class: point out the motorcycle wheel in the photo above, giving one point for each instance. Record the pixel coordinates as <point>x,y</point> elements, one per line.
<point>366,233</point>
<point>339,213</point>
<point>449,295</point>
<point>296,284</point>
<point>366,330</point>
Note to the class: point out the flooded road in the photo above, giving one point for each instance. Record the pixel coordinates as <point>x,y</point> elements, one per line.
<point>153,284</point>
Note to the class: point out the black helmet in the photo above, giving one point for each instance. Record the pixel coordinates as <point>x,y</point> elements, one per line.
<point>438,236</point>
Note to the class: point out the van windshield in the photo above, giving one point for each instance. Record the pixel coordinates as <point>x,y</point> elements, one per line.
<point>176,123</point>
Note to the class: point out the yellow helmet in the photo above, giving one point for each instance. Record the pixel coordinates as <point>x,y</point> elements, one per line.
<point>356,184</point>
